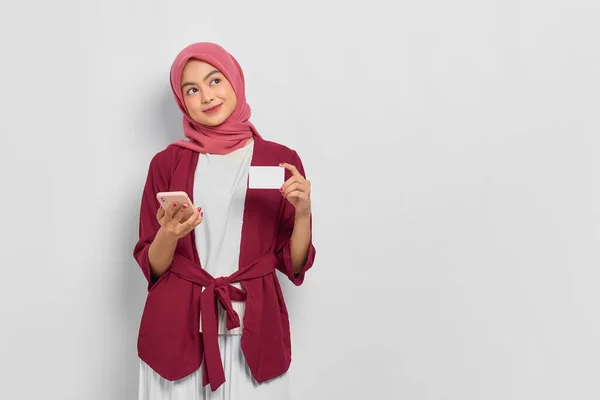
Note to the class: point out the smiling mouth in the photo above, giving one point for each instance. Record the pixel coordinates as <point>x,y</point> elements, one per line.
<point>213,109</point>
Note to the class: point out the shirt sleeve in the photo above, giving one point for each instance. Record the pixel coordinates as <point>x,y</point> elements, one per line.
<point>156,181</point>
<point>286,227</point>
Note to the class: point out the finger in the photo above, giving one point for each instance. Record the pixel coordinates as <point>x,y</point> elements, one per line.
<point>303,186</point>
<point>290,168</point>
<point>199,218</point>
<point>193,221</point>
<point>196,218</point>
<point>294,186</point>
<point>160,213</point>
<point>289,182</point>
<point>297,195</point>
<point>188,213</point>
<point>179,214</point>
<point>172,209</point>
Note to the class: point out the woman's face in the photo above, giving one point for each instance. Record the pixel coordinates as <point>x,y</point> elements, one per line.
<point>207,94</point>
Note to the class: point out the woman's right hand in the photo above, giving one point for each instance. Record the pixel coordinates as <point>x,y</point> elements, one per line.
<point>171,225</point>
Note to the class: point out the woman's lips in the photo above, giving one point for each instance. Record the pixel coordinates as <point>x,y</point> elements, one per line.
<point>211,110</point>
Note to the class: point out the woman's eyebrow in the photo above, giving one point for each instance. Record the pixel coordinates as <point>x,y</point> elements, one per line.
<point>215,71</point>
<point>211,73</point>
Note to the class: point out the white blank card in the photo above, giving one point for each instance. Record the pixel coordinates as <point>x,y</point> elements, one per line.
<point>266,177</point>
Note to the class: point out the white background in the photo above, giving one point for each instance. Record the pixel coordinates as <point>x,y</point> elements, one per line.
<point>453,149</point>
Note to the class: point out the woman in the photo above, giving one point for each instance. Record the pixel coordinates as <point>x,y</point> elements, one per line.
<point>215,324</point>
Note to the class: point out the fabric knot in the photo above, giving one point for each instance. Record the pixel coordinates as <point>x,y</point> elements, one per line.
<point>222,281</point>
<point>219,291</point>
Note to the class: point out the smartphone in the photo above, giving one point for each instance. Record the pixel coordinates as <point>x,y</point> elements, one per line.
<point>166,200</point>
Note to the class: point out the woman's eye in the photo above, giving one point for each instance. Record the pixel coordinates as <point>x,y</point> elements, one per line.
<point>215,81</point>
<point>191,91</point>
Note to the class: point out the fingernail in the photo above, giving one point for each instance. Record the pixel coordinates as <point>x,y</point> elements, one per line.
<point>202,213</point>
<point>199,209</point>
<point>174,204</point>
<point>184,206</point>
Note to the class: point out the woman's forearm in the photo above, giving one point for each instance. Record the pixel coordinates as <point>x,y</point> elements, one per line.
<point>300,241</point>
<point>160,253</point>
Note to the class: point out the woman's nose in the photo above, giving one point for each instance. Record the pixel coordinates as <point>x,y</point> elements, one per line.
<point>207,96</point>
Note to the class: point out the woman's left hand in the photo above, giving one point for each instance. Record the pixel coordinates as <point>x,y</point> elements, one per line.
<point>297,190</point>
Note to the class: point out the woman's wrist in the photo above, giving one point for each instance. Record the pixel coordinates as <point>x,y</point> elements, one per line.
<point>164,237</point>
<point>301,216</point>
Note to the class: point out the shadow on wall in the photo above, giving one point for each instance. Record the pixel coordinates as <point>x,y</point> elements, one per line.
<point>166,121</point>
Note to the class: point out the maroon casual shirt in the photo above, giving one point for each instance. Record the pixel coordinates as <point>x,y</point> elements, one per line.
<point>169,340</point>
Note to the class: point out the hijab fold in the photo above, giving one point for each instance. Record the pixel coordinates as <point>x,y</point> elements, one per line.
<point>235,132</point>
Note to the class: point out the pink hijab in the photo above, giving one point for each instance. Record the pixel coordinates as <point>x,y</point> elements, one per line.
<point>237,129</point>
